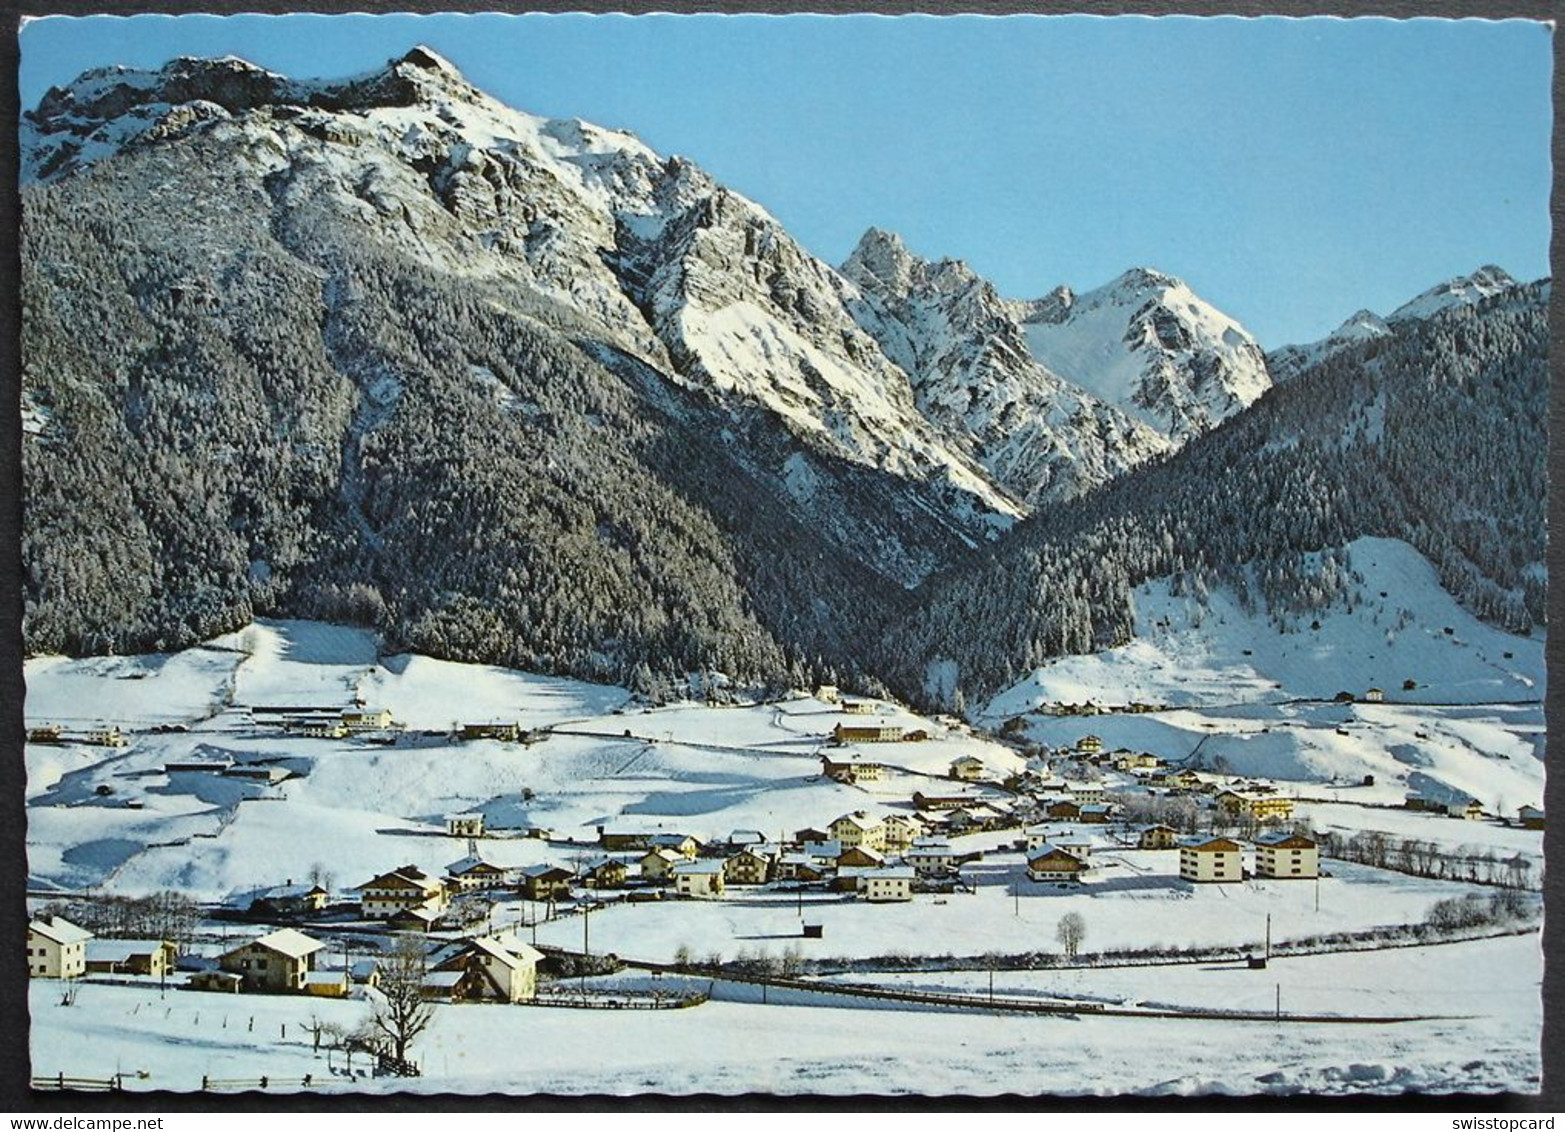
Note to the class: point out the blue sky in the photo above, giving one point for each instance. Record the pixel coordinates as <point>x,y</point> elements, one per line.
<point>1292,171</point>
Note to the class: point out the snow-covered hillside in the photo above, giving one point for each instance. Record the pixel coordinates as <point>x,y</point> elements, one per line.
<point>1151,346</point>
<point>1260,699</point>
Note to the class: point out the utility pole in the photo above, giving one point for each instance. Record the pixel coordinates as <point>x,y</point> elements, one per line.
<point>586,914</point>
<point>1279,1002</point>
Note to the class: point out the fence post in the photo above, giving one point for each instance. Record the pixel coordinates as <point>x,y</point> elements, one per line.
<point>263,1082</point>
<point>203,1082</point>
<point>62,1079</point>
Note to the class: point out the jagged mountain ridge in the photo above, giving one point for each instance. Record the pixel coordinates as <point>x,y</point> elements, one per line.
<point>1148,345</point>
<point>973,375</point>
<point>687,275</point>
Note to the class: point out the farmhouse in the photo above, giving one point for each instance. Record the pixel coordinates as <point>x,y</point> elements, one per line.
<point>930,857</point>
<point>1211,860</point>
<point>407,887</point>
<point>1095,814</point>
<point>1471,810</point>
<point>1531,817</point>
<point>681,843</point>
<point>828,693</point>
<point>1255,804</point>
<point>316,727</point>
<point>288,900</point>
<point>489,968</point>
<point>465,825</point>
<point>901,830</point>
<point>657,863</point>
<point>1089,745</point>
<point>546,882</point>
<point>604,872</point>
<point>154,957</point>
<point>102,736</point>
<point>867,733</point>
<point>1157,837</point>
<point>1063,810</point>
<point>1374,696</point>
<point>1285,856</point>
<point>851,770</point>
<point>859,829</point>
<point>884,886</point>
<point>968,768</point>
<point>472,872</point>
<point>858,707</point>
<point>273,963</point>
<point>700,879</point>
<point>56,948</point>
<point>1052,863</point>
<point>751,865</point>
<point>366,719</point>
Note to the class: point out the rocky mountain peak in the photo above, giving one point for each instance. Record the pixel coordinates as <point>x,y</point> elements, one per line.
<point>881,262</point>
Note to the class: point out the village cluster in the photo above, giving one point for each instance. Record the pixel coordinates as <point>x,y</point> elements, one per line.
<point>1066,815</point>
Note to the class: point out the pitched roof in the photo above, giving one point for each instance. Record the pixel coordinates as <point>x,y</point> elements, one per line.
<point>471,863</point>
<point>59,930</point>
<point>696,868</point>
<point>286,941</point>
<point>288,891</point>
<point>1282,837</point>
<point>407,875</point>
<point>119,950</point>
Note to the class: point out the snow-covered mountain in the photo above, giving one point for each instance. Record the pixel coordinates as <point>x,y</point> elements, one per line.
<point>686,275</point>
<point>973,376</point>
<point>1288,362</point>
<point>1149,345</point>
<point>1464,290</point>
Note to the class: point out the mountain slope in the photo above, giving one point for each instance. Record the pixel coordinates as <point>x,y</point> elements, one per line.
<point>972,375</point>
<point>1149,345</point>
<point>1287,362</point>
<point>1436,435</point>
<point>375,351</point>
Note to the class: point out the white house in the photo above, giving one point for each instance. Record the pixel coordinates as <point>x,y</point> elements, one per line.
<point>883,886</point>
<point>858,828</point>
<point>968,768</point>
<point>56,949</point>
<point>702,879</point>
<point>406,888</point>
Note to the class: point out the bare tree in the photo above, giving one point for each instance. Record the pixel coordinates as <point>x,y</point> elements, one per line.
<point>403,1013</point>
<point>1071,931</point>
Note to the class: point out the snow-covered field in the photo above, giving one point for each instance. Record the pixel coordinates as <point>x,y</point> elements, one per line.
<point>116,820</point>
<point>1486,1038</point>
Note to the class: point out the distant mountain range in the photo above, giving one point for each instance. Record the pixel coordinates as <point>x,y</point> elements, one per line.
<point>522,390</point>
